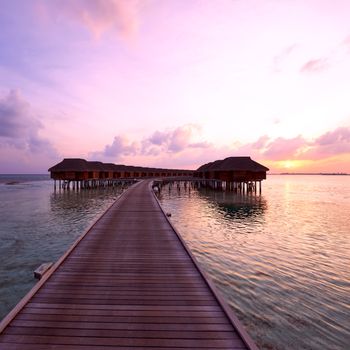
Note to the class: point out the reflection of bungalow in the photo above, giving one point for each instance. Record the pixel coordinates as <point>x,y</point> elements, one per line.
<point>234,171</point>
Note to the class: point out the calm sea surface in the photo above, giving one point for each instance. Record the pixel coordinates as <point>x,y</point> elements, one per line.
<point>282,259</point>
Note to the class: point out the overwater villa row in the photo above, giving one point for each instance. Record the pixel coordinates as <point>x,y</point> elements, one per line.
<point>233,173</point>
<point>86,174</point>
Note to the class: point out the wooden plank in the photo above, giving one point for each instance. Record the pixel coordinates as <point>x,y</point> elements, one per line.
<point>12,346</point>
<point>233,343</point>
<point>122,293</point>
<point>128,296</point>
<point>90,301</point>
<point>125,307</point>
<point>113,333</point>
<point>135,318</point>
<point>151,326</point>
<point>131,313</point>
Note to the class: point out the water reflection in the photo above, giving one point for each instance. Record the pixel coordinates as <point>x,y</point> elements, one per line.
<point>235,205</point>
<point>61,201</point>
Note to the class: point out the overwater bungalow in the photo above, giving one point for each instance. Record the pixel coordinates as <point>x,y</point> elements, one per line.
<point>72,169</point>
<point>87,174</point>
<point>233,173</point>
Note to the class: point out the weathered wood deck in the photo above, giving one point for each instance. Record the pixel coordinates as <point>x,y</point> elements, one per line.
<point>128,283</point>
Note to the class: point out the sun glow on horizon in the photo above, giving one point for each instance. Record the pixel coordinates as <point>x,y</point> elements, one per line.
<point>288,165</point>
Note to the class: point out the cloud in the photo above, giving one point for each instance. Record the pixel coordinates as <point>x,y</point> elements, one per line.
<point>14,116</point>
<point>336,55</point>
<point>120,146</point>
<point>339,135</point>
<point>173,141</point>
<point>201,145</point>
<point>180,147</point>
<point>330,144</point>
<point>19,128</point>
<point>282,148</point>
<point>158,138</point>
<point>100,16</point>
<point>168,142</point>
<point>261,142</point>
<point>315,66</point>
<point>179,139</point>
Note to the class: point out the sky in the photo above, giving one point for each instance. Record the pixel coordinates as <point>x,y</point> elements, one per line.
<point>175,83</point>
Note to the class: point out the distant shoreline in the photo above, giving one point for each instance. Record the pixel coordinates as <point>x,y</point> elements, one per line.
<point>327,174</point>
<point>15,179</point>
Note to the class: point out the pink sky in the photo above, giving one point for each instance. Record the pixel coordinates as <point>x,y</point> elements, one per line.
<point>175,83</point>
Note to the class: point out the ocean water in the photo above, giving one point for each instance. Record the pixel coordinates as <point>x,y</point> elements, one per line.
<point>282,259</point>
<point>38,225</point>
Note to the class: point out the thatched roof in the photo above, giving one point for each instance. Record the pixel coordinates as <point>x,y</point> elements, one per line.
<point>95,166</point>
<point>233,164</point>
<point>70,164</point>
<point>78,164</point>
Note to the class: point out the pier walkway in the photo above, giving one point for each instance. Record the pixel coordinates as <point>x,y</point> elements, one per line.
<point>128,283</point>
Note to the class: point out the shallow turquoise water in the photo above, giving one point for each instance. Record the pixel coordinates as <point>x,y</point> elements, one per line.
<point>282,259</point>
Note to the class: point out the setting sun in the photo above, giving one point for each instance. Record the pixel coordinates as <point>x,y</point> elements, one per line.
<point>288,164</point>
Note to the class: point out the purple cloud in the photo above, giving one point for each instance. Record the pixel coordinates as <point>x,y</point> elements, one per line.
<point>174,141</point>
<point>14,116</point>
<point>18,126</point>
<point>120,147</point>
<point>179,139</point>
<point>170,142</point>
<point>203,144</point>
<point>158,138</point>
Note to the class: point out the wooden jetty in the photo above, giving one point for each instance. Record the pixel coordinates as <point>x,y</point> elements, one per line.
<point>128,283</point>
